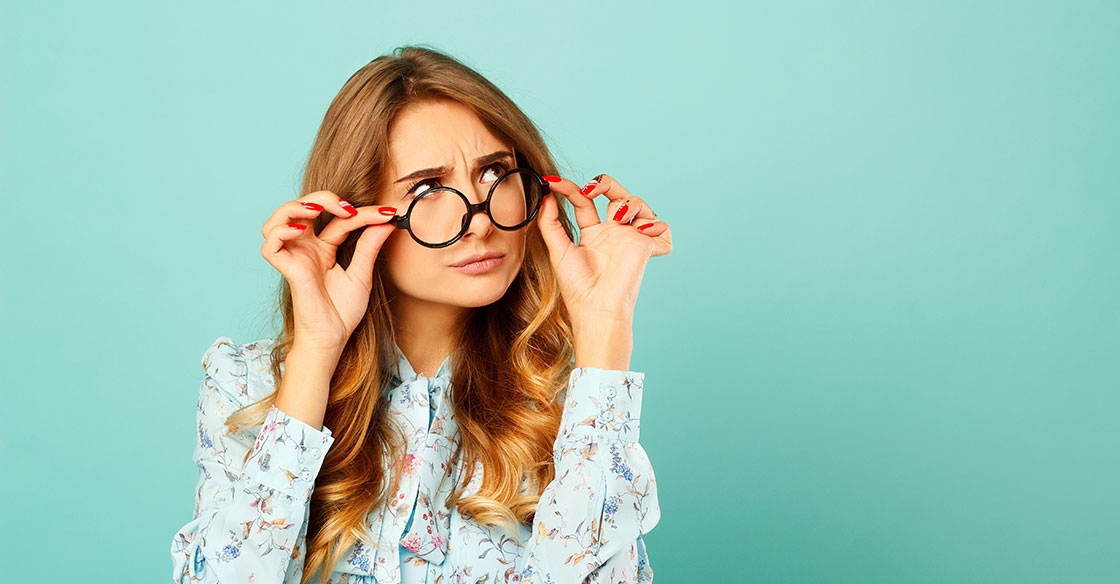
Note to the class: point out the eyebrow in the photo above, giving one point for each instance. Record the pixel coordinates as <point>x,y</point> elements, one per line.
<point>442,170</point>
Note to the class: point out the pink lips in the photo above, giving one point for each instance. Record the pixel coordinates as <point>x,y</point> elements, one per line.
<point>477,257</point>
<point>481,266</point>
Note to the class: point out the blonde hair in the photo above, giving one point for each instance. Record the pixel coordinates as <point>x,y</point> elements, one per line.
<point>509,376</point>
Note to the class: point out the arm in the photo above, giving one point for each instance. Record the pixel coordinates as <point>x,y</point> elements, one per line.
<point>249,523</point>
<point>590,519</point>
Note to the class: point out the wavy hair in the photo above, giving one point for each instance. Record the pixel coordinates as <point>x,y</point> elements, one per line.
<point>510,372</point>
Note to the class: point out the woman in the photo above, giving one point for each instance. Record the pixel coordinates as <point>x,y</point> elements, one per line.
<point>433,422</point>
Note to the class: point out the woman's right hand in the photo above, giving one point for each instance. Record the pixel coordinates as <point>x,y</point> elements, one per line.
<point>328,301</point>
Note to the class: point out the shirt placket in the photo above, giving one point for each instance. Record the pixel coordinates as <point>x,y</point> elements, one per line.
<point>410,408</point>
<point>428,533</point>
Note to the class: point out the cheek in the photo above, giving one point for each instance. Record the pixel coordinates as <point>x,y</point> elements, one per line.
<point>391,249</point>
<point>411,265</point>
<point>399,255</point>
<point>517,249</point>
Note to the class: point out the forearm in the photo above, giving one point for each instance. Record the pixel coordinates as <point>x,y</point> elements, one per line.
<point>217,546</point>
<point>306,385</point>
<point>604,342</point>
<point>250,513</point>
<point>591,517</point>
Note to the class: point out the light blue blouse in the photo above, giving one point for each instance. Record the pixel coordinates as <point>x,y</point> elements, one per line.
<point>250,522</point>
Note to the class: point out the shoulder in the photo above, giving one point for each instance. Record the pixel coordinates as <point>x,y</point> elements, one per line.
<point>242,373</point>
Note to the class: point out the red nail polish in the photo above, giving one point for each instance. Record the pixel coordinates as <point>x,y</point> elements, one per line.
<point>390,211</point>
<point>349,208</point>
<point>297,226</point>
<point>619,213</point>
<point>644,226</point>
<point>590,186</point>
<point>551,178</point>
<point>311,206</point>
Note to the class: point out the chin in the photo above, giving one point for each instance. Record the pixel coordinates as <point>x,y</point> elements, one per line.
<point>475,301</point>
<point>480,290</point>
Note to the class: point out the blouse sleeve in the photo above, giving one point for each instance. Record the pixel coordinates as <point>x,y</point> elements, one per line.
<point>249,522</point>
<point>591,517</point>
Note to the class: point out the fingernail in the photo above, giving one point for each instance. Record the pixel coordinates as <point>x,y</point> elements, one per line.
<point>590,186</point>
<point>311,206</point>
<point>644,226</point>
<point>551,178</point>
<point>349,208</point>
<point>297,226</point>
<point>387,211</point>
<point>619,213</point>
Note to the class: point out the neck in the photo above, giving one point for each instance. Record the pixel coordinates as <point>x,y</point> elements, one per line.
<point>425,331</point>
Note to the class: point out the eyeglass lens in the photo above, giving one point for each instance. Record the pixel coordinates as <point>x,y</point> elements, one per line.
<point>439,216</point>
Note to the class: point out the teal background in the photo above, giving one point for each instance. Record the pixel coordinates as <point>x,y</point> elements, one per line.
<point>883,349</point>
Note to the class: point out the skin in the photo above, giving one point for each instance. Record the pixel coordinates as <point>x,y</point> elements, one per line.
<point>599,278</point>
<point>427,297</point>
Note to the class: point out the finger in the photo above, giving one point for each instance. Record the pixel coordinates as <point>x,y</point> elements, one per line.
<point>552,231</point>
<point>586,213</point>
<point>273,251</point>
<point>604,184</point>
<point>338,229</point>
<point>659,232</point>
<point>366,250</point>
<point>628,209</point>
<point>308,207</point>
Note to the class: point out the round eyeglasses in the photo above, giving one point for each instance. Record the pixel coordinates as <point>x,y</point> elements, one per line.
<point>439,216</point>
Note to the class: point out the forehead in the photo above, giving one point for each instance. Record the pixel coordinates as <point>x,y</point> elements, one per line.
<point>434,133</point>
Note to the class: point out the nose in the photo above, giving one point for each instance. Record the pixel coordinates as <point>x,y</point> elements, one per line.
<point>479,224</point>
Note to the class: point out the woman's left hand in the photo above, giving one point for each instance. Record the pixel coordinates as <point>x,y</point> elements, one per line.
<point>600,277</point>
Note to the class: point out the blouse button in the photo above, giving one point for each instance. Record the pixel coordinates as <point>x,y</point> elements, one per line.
<point>315,453</point>
<point>610,392</point>
<point>305,475</point>
<point>607,416</point>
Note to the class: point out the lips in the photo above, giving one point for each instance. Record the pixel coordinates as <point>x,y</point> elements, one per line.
<point>477,257</point>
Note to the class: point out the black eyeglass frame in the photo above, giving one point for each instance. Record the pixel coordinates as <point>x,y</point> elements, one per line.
<point>402,221</point>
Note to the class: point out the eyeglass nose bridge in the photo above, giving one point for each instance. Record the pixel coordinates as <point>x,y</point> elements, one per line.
<point>474,208</point>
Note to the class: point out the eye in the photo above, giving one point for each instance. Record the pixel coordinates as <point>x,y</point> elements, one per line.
<point>500,167</point>
<point>427,181</point>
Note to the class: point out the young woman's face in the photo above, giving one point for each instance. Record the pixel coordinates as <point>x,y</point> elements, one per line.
<point>434,134</point>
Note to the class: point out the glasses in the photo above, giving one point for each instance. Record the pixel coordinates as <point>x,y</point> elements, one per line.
<point>439,216</point>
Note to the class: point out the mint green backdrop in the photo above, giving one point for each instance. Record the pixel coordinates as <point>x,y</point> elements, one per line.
<point>884,348</point>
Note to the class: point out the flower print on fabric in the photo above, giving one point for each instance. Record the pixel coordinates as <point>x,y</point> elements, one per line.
<point>250,521</point>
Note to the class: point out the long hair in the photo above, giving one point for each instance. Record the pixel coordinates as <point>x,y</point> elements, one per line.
<point>510,372</point>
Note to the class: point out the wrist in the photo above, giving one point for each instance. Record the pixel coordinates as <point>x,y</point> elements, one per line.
<point>604,342</point>
<point>598,320</point>
<point>319,356</point>
<point>305,388</point>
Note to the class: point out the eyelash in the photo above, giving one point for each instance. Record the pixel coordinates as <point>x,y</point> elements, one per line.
<point>502,166</point>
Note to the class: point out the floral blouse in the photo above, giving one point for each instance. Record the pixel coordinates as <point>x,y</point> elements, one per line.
<point>250,522</point>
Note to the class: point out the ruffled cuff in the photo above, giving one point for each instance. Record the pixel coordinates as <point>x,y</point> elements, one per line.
<point>288,454</point>
<point>603,403</point>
